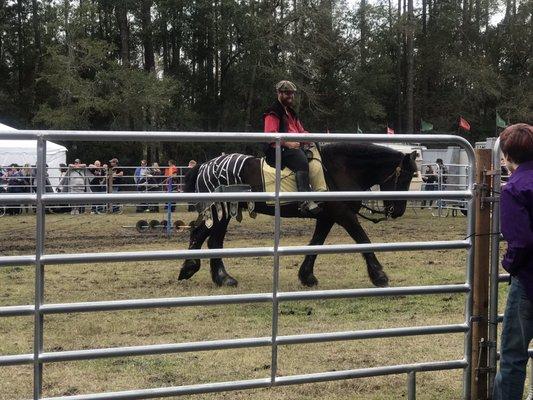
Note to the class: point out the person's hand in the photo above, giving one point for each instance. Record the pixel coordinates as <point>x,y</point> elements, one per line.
<point>292,145</point>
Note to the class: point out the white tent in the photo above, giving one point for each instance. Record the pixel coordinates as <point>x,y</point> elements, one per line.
<point>25,152</point>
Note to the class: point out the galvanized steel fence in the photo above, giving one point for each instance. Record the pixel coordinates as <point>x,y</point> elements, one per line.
<point>40,259</point>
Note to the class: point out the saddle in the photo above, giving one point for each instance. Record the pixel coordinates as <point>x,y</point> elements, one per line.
<point>288,178</point>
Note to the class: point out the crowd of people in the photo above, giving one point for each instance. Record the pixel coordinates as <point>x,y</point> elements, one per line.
<point>96,177</point>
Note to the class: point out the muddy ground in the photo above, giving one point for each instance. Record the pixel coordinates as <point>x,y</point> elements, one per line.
<point>114,281</point>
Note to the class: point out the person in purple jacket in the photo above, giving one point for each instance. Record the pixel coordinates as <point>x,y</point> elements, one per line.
<point>517,228</point>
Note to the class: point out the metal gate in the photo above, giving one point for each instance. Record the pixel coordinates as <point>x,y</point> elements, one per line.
<point>40,259</point>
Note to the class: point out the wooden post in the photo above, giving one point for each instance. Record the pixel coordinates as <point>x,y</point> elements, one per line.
<point>480,283</point>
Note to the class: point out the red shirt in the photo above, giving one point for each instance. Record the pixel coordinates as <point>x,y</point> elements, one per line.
<point>293,124</point>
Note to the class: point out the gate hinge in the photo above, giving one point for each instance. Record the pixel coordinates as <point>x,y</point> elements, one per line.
<point>489,344</point>
<point>477,319</point>
<point>485,370</point>
<point>492,172</point>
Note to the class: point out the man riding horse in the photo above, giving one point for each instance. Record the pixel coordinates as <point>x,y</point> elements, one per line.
<point>280,117</point>
<point>350,167</point>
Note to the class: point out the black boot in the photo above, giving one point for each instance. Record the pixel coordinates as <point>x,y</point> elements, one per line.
<point>302,184</point>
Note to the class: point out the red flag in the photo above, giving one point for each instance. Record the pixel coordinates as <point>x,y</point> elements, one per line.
<point>390,131</point>
<point>463,123</point>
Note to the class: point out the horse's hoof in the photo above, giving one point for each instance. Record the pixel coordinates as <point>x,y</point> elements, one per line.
<point>309,280</point>
<point>225,281</point>
<point>229,281</point>
<point>189,268</point>
<point>380,279</point>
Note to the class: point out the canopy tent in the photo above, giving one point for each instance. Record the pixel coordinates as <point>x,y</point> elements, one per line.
<point>25,152</point>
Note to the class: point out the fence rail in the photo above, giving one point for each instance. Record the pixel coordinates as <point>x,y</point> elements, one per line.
<point>41,199</point>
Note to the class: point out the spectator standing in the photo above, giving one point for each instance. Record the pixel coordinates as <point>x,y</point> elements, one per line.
<point>78,182</point>
<point>156,183</point>
<point>141,177</point>
<point>98,184</point>
<point>63,181</point>
<point>3,182</point>
<point>15,184</point>
<point>171,177</point>
<point>116,174</point>
<point>27,184</point>
<point>517,228</point>
<point>442,172</point>
<point>430,182</point>
<point>62,187</point>
<point>157,176</point>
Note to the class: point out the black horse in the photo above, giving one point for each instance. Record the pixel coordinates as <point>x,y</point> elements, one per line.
<point>348,167</point>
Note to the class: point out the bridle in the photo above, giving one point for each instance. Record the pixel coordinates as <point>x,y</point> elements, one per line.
<point>396,174</point>
<point>387,213</point>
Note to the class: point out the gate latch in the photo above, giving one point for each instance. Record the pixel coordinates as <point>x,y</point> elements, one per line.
<point>483,188</point>
<point>484,344</point>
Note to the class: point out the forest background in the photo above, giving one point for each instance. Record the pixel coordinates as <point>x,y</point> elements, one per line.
<point>211,65</point>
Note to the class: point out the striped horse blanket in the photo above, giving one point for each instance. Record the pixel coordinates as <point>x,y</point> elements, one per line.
<point>224,170</point>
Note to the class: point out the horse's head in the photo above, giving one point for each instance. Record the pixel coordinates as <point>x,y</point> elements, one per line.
<point>399,179</point>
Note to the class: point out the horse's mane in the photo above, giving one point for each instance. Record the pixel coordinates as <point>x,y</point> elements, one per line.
<point>360,154</point>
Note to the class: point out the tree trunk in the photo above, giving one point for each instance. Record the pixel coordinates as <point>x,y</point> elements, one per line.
<point>399,78</point>
<point>20,56</point>
<point>410,67</point>
<point>424,18</point>
<point>465,24</point>
<point>478,16</point>
<point>37,33</point>
<point>364,33</point>
<point>251,94</point>
<point>146,25</point>
<point>121,13</point>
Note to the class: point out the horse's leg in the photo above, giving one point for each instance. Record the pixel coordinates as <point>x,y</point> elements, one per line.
<point>216,241</point>
<point>348,220</point>
<point>322,229</point>
<point>197,238</point>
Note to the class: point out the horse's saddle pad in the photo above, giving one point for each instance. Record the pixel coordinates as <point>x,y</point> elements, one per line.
<point>288,179</point>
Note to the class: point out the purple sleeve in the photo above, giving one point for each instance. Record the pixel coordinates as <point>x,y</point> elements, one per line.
<point>515,226</point>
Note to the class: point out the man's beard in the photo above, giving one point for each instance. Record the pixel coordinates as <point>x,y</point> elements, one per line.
<point>287,102</point>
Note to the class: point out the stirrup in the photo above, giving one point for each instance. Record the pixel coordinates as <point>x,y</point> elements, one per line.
<point>310,206</point>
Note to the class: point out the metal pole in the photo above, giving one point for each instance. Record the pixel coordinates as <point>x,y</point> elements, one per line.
<point>108,186</point>
<point>169,207</point>
<point>469,275</point>
<point>439,201</point>
<point>480,284</point>
<point>38,346</point>
<point>411,385</point>
<point>494,264</point>
<point>275,272</point>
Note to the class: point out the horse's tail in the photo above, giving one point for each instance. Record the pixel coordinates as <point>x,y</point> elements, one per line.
<point>190,179</point>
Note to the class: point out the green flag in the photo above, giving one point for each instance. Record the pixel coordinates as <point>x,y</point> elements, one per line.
<point>500,122</point>
<point>425,126</point>
<point>359,129</point>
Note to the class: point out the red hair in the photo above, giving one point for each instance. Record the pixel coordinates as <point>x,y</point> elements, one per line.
<point>516,142</point>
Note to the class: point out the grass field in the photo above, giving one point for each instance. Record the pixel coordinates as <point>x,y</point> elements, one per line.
<point>113,281</point>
